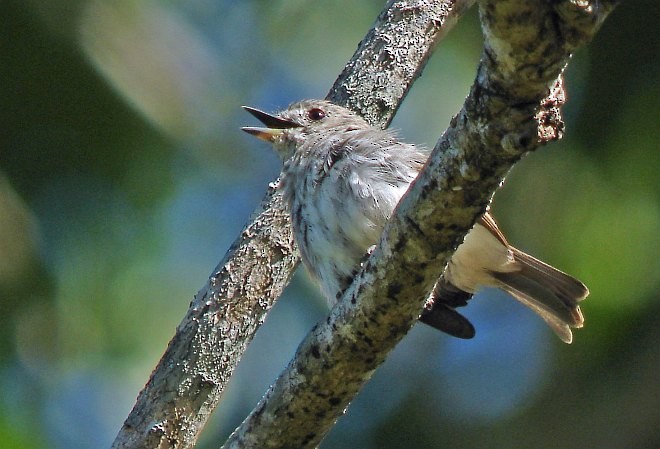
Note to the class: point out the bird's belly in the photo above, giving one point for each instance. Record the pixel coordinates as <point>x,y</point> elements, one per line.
<point>338,219</point>
<point>333,241</point>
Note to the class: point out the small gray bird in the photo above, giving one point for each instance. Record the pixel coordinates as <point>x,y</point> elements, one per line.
<point>342,179</point>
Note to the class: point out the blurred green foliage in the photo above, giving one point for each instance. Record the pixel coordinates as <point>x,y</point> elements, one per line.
<point>124,179</point>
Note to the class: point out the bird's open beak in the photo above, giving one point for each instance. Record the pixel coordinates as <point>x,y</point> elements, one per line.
<point>275,125</point>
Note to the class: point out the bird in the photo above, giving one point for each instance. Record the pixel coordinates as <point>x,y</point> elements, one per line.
<point>342,179</point>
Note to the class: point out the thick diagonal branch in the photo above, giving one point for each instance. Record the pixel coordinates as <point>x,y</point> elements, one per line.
<point>527,47</point>
<point>191,376</point>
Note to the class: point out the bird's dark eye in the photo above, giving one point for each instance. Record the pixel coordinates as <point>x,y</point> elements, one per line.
<point>316,114</point>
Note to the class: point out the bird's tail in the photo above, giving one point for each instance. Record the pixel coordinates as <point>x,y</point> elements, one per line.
<point>552,294</point>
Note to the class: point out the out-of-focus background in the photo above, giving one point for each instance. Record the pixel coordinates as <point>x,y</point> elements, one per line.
<point>124,178</point>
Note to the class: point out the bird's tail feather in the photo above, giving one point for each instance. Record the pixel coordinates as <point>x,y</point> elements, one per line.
<point>552,294</point>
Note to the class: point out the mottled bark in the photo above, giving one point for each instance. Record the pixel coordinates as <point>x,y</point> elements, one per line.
<point>392,56</point>
<point>190,378</point>
<point>511,110</point>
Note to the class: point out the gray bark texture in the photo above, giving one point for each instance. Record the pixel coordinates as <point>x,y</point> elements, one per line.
<point>511,110</point>
<point>186,385</point>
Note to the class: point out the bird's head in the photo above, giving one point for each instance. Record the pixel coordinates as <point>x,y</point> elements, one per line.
<point>305,121</point>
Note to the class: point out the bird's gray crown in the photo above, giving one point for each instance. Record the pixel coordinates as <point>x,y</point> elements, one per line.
<point>321,114</point>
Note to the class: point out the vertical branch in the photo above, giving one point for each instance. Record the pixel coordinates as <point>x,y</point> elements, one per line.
<point>392,56</point>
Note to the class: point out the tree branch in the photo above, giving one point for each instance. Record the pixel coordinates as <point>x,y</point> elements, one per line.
<point>527,47</point>
<point>392,56</point>
<point>190,378</point>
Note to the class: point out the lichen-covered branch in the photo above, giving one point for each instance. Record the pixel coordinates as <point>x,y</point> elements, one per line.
<point>401,41</point>
<point>527,47</point>
<point>190,378</point>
